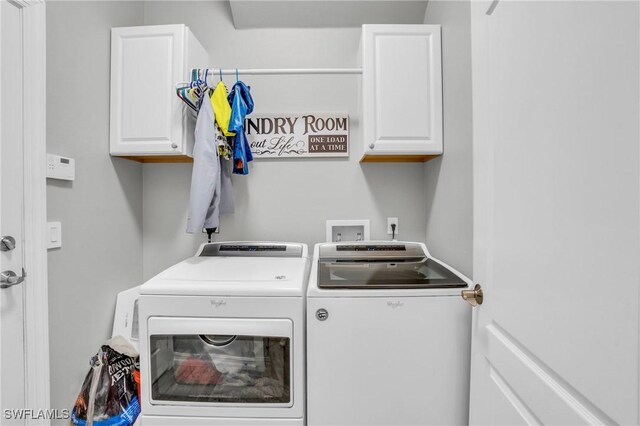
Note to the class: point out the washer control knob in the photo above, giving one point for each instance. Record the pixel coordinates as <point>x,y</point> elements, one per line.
<point>322,314</point>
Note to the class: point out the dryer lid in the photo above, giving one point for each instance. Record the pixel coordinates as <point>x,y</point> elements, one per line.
<point>236,269</point>
<point>251,249</point>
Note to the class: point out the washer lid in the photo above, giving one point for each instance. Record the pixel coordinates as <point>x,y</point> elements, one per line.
<point>382,266</point>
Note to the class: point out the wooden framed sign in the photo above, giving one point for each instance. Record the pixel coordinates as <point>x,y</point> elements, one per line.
<point>308,135</point>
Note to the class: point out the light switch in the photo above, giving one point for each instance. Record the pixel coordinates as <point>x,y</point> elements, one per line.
<point>54,235</point>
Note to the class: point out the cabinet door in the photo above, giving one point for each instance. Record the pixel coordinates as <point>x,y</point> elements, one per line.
<point>146,115</point>
<point>402,90</point>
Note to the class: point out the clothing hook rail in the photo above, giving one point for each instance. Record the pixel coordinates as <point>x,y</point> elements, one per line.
<point>289,71</point>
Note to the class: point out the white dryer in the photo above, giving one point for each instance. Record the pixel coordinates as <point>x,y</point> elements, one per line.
<point>222,337</point>
<point>388,337</point>
<point>125,319</point>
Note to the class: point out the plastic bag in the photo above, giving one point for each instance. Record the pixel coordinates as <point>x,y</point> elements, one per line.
<point>109,393</point>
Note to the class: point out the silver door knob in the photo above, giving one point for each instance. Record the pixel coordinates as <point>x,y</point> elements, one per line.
<point>371,145</point>
<point>174,146</point>
<point>7,243</point>
<point>9,278</point>
<point>474,297</point>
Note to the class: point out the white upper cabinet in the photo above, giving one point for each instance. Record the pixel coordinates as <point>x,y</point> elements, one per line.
<point>148,121</point>
<point>401,92</point>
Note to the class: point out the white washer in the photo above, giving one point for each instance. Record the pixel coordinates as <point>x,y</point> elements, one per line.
<point>388,337</point>
<point>222,337</point>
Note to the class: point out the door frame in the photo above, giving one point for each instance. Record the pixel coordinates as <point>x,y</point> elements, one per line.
<point>36,317</point>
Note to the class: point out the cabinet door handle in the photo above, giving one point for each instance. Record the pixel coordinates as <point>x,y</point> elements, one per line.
<point>372,145</point>
<point>174,146</point>
<point>492,7</point>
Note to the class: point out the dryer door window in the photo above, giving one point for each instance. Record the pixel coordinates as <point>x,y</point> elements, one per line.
<point>210,364</point>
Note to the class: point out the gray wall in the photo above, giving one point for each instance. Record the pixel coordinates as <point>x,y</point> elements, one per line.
<point>101,211</point>
<point>280,199</point>
<point>448,179</point>
<point>107,246</point>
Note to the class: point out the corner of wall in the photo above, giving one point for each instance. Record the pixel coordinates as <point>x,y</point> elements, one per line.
<point>448,181</point>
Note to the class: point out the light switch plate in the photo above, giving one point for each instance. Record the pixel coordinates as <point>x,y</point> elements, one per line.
<point>54,235</point>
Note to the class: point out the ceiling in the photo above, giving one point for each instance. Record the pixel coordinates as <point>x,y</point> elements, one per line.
<point>327,13</point>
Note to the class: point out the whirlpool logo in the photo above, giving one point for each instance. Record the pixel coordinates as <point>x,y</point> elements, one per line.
<point>216,303</point>
<point>393,304</point>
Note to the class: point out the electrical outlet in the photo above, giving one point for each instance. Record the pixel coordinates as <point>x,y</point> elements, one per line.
<point>390,221</point>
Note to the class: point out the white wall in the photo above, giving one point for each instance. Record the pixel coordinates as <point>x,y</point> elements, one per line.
<point>280,199</point>
<point>101,211</point>
<point>448,179</point>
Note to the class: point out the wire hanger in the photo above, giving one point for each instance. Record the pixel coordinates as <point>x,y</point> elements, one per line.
<point>236,75</point>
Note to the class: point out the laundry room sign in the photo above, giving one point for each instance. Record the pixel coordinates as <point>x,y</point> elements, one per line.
<point>309,135</point>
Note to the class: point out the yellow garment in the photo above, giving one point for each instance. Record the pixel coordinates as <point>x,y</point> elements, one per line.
<point>221,108</point>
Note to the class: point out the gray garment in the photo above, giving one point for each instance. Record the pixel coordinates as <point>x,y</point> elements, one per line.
<point>227,200</point>
<point>211,191</point>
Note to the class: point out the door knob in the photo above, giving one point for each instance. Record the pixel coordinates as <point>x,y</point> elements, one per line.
<point>7,243</point>
<point>474,297</point>
<point>9,278</point>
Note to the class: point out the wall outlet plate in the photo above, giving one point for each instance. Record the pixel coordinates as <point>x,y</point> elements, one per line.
<point>347,230</point>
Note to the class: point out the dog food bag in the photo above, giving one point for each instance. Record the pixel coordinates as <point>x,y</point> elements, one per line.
<point>108,396</point>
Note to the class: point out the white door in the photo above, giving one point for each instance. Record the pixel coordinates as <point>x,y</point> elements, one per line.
<point>12,342</point>
<point>556,212</point>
